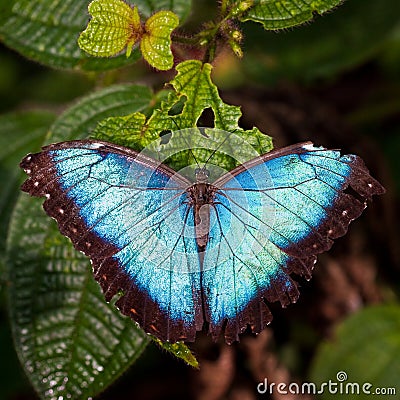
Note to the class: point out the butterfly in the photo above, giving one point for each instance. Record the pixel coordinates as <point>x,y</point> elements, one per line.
<point>182,254</point>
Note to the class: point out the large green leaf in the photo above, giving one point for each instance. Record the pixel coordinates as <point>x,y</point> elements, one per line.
<point>47,30</point>
<point>279,14</point>
<point>20,133</point>
<point>70,342</point>
<point>79,120</point>
<point>345,38</point>
<point>193,93</point>
<point>366,349</point>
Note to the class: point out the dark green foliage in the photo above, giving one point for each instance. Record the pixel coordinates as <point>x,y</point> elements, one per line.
<point>68,340</point>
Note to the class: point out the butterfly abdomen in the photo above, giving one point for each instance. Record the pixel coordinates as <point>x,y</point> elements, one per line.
<point>202,197</point>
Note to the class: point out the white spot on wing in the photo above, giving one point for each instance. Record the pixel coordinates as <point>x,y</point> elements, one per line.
<point>36,184</point>
<point>28,171</point>
<point>47,195</point>
<point>29,158</point>
<point>97,145</point>
<point>61,211</point>
<point>309,146</point>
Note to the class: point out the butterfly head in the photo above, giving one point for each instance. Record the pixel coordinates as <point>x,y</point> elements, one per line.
<point>202,175</point>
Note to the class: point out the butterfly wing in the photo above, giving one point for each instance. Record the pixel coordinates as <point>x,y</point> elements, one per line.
<point>270,218</point>
<point>133,219</point>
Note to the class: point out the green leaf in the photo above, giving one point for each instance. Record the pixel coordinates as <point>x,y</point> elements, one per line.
<point>70,342</point>
<point>20,133</point>
<point>221,150</point>
<point>47,30</point>
<point>193,93</point>
<point>156,41</point>
<point>79,120</point>
<point>180,350</point>
<point>279,14</point>
<point>114,26</point>
<point>126,131</point>
<point>130,130</point>
<point>318,50</point>
<point>196,91</point>
<point>369,338</point>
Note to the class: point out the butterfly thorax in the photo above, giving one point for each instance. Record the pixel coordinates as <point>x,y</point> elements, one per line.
<point>202,196</point>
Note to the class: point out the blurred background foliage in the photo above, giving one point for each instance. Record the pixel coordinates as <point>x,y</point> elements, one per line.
<point>335,81</point>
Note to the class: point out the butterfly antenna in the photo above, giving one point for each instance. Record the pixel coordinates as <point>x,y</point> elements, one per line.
<point>218,147</point>
<point>187,143</point>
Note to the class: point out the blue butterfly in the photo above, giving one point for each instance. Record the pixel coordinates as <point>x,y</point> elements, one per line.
<point>182,255</point>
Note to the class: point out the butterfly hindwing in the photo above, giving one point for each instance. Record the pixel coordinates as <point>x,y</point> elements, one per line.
<point>270,218</point>
<point>132,218</point>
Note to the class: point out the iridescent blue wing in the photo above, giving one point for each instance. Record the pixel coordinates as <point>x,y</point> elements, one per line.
<point>131,216</point>
<point>270,218</point>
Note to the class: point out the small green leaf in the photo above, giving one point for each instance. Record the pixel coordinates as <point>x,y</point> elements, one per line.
<point>369,338</point>
<point>279,14</point>
<point>156,41</point>
<point>114,26</point>
<point>180,350</point>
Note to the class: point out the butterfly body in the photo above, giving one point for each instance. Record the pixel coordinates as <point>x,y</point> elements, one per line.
<point>184,253</point>
<point>202,196</point>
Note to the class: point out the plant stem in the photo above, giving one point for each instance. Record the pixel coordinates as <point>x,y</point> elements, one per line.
<point>224,6</point>
<point>184,39</point>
